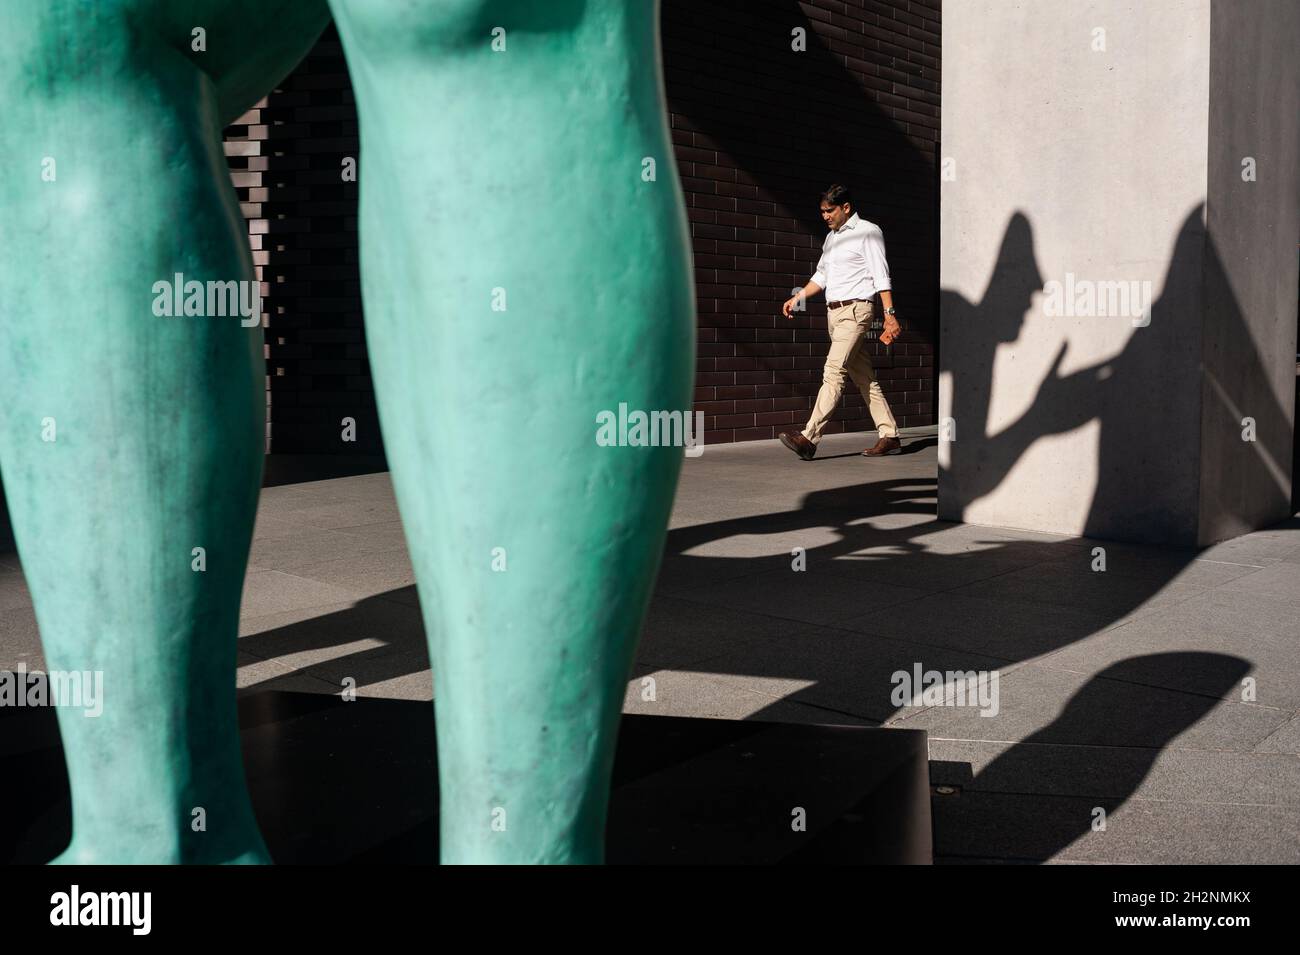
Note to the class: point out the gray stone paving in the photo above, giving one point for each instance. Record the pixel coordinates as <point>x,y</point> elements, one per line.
<point>1163,692</point>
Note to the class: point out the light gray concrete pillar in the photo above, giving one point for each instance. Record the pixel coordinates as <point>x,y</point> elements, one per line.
<point>1119,227</point>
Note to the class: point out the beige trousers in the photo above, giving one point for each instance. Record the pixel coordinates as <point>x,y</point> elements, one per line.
<point>848,327</point>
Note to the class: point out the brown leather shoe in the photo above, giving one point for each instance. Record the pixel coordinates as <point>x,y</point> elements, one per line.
<point>883,446</point>
<point>796,442</point>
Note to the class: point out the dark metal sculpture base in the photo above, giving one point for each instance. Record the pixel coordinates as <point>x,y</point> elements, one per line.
<point>340,782</point>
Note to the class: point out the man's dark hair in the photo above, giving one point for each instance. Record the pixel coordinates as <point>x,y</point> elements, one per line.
<point>838,195</point>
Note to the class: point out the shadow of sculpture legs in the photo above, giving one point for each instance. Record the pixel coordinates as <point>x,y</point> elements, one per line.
<point>1095,755</point>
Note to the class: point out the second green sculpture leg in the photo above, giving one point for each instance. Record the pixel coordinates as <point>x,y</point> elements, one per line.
<point>131,442</point>
<point>525,267</point>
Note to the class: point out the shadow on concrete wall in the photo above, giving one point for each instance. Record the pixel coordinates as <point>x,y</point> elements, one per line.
<point>1141,427</point>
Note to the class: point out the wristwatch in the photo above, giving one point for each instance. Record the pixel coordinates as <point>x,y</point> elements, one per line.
<point>890,310</point>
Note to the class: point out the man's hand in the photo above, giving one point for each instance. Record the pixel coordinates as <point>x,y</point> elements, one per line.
<point>790,304</point>
<point>891,330</point>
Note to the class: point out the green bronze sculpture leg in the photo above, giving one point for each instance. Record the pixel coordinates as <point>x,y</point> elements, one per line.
<point>526,267</point>
<point>131,441</point>
<point>523,229</point>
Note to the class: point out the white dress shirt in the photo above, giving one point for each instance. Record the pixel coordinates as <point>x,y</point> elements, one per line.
<point>853,261</point>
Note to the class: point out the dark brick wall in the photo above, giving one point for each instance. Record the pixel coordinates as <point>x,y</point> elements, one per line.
<point>758,131</point>
<point>286,156</point>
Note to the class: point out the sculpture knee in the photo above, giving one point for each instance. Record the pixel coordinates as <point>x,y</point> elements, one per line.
<point>397,26</point>
<point>235,51</point>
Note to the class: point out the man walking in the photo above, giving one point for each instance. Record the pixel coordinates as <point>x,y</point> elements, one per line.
<point>852,269</point>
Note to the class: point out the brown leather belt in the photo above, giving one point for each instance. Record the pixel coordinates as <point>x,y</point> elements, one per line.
<point>847,301</point>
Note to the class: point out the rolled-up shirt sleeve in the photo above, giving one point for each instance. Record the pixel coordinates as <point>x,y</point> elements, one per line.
<point>819,274</point>
<point>876,262</point>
